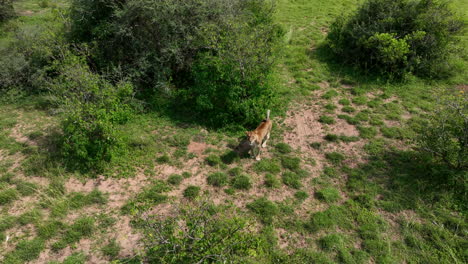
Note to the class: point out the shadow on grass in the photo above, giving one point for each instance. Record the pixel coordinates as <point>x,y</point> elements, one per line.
<point>407,179</point>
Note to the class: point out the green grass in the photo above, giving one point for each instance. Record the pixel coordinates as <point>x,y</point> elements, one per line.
<point>264,209</point>
<point>217,179</point>
<point>328,195</point>
<point>242,182</point>
<point>271,181</point>
<point>335,157</point>
<point>327,120</point>
<point>191,192</point>
<point>111,249</point>
<point>175,179</point>
<point>267,165</point>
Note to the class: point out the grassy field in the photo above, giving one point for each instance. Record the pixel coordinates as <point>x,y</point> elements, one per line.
<point>339,181</point>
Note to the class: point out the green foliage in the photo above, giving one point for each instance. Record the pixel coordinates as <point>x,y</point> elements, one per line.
<point>49,229</point>
<point>301,195</point>
<point>111,249</point>
<point>188,51</point>
<point>26,188</point>
<point>213,160</point>
<point>397,37</point>
<point>230,157</point>
<point>335,157</point>
<point>7,222</point>
<point>333,216</point>
<point>348,109</point>
<point>191,192</point>
<point>207,233</point>
<point>332,242</point>
<point>218,179</point>
<point>327,120</point>
<point>242,182</point>
<point>283,148</point>
<point>332,137</point>
<point>94,108</point>
<point>79,200</point>
<point>26,250</point>
<point>264,208</point>
<point>367,132</point>
<point>446,135</point>
<point>267,165</point>
<point>291,163</point>
<point>6,10</point>
<point>292,179</point>
<point>75,258</point>
<point>328,195</point>
<point>8,196</point>
<point>271,181</point>
<point>175,179</point>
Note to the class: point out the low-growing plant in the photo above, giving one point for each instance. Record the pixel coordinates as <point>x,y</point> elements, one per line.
<point>344,101</point>
<point>242,182</point>
<point>328,195</point>
<point>175,179</point>
<point>332,242</point>
<point>292,179</point>
<point>199,232</point>
<point>332,137</point>
<point>218,179</point>
<point>326,120</point>
<point>111,249</point>
<point>283,148</point>
<point>291,163</point>
<point>8,196</point>
<point>348,109</point>
<point>213,160</point>
<point>335,157</point>
<point>191,192</point>
<point>267,165</point>
<point>25,251</point>
<point>330,94</point>
<point>367,132</point>
<point>301,195</point>
<point>265,209</point>
<point>271,181</point>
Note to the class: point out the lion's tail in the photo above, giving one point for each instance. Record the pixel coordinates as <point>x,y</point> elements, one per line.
<point>268,114</point>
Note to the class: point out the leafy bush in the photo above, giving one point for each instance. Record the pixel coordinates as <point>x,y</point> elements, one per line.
<point>215,56</point>
<point>93,109</point>
<point>200,233</point>
<point>396,37</point>
<point>6,10</point>
<point>446,134</point>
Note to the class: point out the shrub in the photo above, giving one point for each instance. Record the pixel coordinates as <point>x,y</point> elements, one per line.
<point>191,192</point>
<point>445,136</point>
<point>218,179</point>
<point>6,10</point>
<point>264,208</point>
<point>198,233</point>
<point>93,109</point>
<point>193,45</point>
<point>397,37</point>
<point>242,182</point>
<point>175,179</point>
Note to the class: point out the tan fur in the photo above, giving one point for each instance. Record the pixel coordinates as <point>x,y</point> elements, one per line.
<point>260,135</point>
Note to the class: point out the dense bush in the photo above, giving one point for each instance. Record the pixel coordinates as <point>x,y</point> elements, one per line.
<point>6,10</point>
<point>200,233</point>
<point>446,134</point>
<point>93,108</point>
<point>215,56</point>
<point>396,37</point>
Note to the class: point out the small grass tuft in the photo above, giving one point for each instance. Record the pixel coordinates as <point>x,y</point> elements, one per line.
<point>332,242</point>
<point>292,180</point>
<point>335,157</point>
<point>291,163</point>
<point>175,179</point>
<point>328,195</point>
<point>218,179</point>
<point>213,160</point>
<point>242,182</point>
<point>265,209</point>
<point>111,249</point>
<point>191,192</point>
<point>326,120</point>
<point>271,181</point>
<point>267,165</point>
<point>332,137</point>
<point>283,148</point>
<point>367,132</point>
<point>301,195</point>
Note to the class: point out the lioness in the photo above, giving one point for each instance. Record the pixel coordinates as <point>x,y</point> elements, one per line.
<point>259,136</point>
